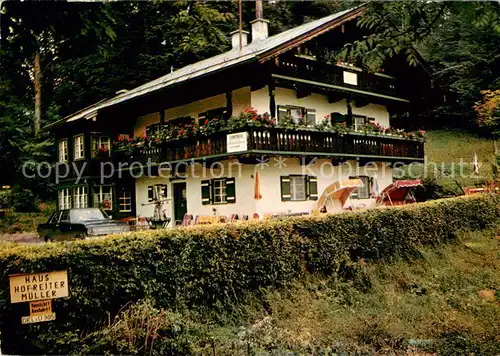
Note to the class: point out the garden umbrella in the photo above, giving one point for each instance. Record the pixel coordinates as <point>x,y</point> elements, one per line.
<point>256,189</point>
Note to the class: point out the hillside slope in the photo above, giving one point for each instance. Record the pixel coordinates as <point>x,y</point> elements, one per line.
<point>449,158</point>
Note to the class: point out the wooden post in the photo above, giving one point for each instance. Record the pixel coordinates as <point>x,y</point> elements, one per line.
<point>241,24</point>
<point>272,99</point>
<point>38,93</point>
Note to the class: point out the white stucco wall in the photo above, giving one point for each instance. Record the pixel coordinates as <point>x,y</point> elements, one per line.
<point>240,101</point>
<point>270,187</point>
<point>319,102</point>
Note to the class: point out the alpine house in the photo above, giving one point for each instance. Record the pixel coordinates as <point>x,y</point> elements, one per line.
<point>264,128</point>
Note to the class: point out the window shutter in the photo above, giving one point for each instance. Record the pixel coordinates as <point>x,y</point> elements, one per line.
<point>165,190</point>
<point>230,190</point>
<point>337,117</point>
<point>285,188</point>
<point>151,196</point>
<point>313,188</point>
<point>205,192</point>
<point>311,116</point>
<point>282,112</point>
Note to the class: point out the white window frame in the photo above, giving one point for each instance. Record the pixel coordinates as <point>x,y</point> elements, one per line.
<point>98,141</point>
<point>63,150</point>
<point>219,191</point>
<point>358,122</point>
<point>298,189</point>
<point>64,198</point>
<point>365,189</point>
<point>80,197</point>
<point>125,201</point>
<point>79,147</point>
<point>99,196</point>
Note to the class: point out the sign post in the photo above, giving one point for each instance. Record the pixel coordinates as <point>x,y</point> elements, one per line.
<point>38,289</point>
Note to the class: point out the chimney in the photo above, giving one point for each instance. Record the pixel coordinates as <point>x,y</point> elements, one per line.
<point>259,25</point>
<point>235,39</point>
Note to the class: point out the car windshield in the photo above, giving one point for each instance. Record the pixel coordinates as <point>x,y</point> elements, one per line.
<point>87,215</point>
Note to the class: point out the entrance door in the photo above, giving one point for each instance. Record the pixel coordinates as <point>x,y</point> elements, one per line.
<point>180,202</point>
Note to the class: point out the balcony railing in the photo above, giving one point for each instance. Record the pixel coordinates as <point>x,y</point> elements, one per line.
<point>268,141</point>
<point>330,74</point>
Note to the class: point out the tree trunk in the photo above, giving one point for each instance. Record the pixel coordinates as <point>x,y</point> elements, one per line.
<point>37,74</point>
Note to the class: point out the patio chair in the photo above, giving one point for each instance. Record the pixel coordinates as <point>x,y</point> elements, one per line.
<point>186,220</point>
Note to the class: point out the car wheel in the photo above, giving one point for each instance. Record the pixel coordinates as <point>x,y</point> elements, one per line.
<point>47,238</point>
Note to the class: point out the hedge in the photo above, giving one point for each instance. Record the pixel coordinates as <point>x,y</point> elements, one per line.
<point>210,268</point>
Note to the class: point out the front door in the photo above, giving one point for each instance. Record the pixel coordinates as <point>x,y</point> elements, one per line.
<point>180,202</point>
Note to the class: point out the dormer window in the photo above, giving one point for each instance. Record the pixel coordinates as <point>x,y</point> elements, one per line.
<point>63,150</point>
<point>79,151</point>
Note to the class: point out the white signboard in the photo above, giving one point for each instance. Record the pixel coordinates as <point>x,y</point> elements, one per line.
<point>237,142</point>
<point>38,286</point>
<point>350,78</point>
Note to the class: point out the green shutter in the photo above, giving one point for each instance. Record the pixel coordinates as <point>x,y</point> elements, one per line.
<point>230,190</point>
<point>150,193</point>
<point>312,188</point>
<point>282,113</point>
<point>311,116</point>
<point>285,188</point>
<point>337,117</point>
<point>205,192</point>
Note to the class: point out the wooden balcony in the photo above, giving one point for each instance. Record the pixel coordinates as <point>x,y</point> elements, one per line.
<point>299,143</point>
<point>334,75</point>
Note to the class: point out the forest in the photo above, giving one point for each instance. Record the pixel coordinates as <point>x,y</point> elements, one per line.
<point>58,57</point>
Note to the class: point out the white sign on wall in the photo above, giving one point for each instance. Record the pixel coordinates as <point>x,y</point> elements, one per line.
<point>237,142</point>
<point>350,78</point>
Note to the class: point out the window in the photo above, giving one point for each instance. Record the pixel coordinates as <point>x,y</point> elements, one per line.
<point>153,130</point>
<point>64,216</point>
<point>55,217</point>
<point>125,201</point>
<point>80,197</point>
<point>218,191</point>
<point>63,150</point>
<point>103,197</point>
<point>78,147</point>
<point>64,199</point>
<point>100,146</point>
<point>157,192</point>
<point>298,115</point>
<point>299,188</point>
<point>219,113</point>
<point>358,122</point>
<point>362,192</point>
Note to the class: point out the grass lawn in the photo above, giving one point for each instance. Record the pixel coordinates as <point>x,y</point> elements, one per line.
<point>449,155</point>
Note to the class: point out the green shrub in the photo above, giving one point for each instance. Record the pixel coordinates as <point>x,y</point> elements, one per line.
<point>213,268</point>
<point>24,201</point>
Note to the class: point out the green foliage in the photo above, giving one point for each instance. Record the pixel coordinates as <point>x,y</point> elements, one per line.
<point>488,111</point>
<point>213,268</point>
<point>145,330</point>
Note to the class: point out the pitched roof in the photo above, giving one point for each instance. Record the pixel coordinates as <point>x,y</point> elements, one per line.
<point>254,51</point>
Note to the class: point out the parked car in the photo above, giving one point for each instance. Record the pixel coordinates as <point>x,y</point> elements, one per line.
<point>79,224</point>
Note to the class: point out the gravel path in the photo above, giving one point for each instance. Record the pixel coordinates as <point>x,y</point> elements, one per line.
<point>23,237</point>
